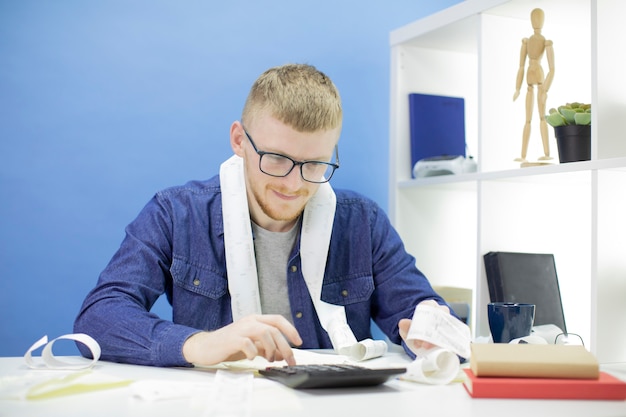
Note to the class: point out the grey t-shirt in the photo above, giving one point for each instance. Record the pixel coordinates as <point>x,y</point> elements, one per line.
<point>272,250</point>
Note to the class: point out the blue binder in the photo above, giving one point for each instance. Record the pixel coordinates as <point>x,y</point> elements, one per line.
<point>437,125</point>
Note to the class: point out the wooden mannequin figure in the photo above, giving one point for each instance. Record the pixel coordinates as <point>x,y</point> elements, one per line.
<point>534,48</point>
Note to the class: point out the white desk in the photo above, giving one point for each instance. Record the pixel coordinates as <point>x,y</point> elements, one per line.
<point>272,399</point>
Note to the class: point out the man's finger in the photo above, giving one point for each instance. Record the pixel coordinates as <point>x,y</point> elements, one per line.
<point>284,326</point>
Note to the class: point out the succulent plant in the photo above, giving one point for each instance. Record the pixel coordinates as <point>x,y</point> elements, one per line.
<point>570,114</point>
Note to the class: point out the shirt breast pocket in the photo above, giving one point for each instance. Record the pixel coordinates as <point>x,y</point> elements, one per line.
<point>198,279</point>
<point>347,291</point>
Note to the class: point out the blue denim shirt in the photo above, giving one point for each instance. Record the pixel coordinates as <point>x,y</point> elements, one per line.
<point>176,247</point>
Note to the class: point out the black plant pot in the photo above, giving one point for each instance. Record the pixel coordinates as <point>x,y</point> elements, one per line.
<point>574,142</point>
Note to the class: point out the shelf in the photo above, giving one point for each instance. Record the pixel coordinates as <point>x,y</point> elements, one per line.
<point>523,174</point>
<point>455,28</point>
<point>572,210</point>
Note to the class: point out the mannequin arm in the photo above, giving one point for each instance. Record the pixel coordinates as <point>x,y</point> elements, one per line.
<point>520,71</point>
<point>550,58</point>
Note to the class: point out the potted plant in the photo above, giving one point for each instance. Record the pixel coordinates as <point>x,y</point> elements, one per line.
<point>572,129</point>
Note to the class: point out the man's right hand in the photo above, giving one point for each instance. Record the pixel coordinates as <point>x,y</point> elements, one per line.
<point>255,335</point>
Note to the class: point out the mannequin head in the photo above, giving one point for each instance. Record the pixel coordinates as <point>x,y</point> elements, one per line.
<point>536,18</point>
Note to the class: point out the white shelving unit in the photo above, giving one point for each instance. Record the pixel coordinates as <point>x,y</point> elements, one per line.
<point>577,211</point>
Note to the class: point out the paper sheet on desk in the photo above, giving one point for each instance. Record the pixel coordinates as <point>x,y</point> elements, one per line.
<point>43,385</point>
<point>51,377</point>
<point>303,357</point>
<point>439,365</point>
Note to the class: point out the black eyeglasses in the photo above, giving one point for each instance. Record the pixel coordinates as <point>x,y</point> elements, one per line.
<point>568,339</point>
<point>278,165</point>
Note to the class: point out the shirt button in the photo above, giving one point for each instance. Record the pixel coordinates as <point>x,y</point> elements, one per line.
<point>196,282</point>
<point>294,268</point>
<point>344,293</point>
<point>299,315</point>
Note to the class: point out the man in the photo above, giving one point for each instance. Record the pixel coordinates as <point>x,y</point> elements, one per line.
<point>263,257</point>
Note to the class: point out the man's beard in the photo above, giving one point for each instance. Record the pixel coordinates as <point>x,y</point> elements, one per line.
<point>279,212</point>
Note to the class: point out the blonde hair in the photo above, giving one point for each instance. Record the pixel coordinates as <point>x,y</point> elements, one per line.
<point>299,95</point>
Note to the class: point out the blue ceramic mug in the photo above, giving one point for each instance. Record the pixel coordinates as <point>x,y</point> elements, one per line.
<point>508,321</point>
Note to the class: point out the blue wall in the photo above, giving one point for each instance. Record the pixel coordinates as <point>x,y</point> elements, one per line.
<point>104,103</point>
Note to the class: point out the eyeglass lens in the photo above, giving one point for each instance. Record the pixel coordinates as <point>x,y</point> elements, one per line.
<point>280,166</point>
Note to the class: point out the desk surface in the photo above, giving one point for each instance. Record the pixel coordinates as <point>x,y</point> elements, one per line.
<point>268,398</point>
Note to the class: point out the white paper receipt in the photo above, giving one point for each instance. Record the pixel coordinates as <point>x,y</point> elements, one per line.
<point>51,362</point>
<point>434,325</point>
<point>438,365</point>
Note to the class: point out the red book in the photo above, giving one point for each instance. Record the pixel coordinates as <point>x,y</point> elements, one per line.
<point>606,387</point>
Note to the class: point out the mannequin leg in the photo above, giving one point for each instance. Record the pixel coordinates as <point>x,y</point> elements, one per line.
<point>543,125</point>
<point>530,98</point>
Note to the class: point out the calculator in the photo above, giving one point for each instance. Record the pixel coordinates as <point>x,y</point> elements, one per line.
<point>329,376</point>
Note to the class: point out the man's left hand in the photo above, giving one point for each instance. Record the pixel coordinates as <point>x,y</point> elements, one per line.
<point>405,324</point>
